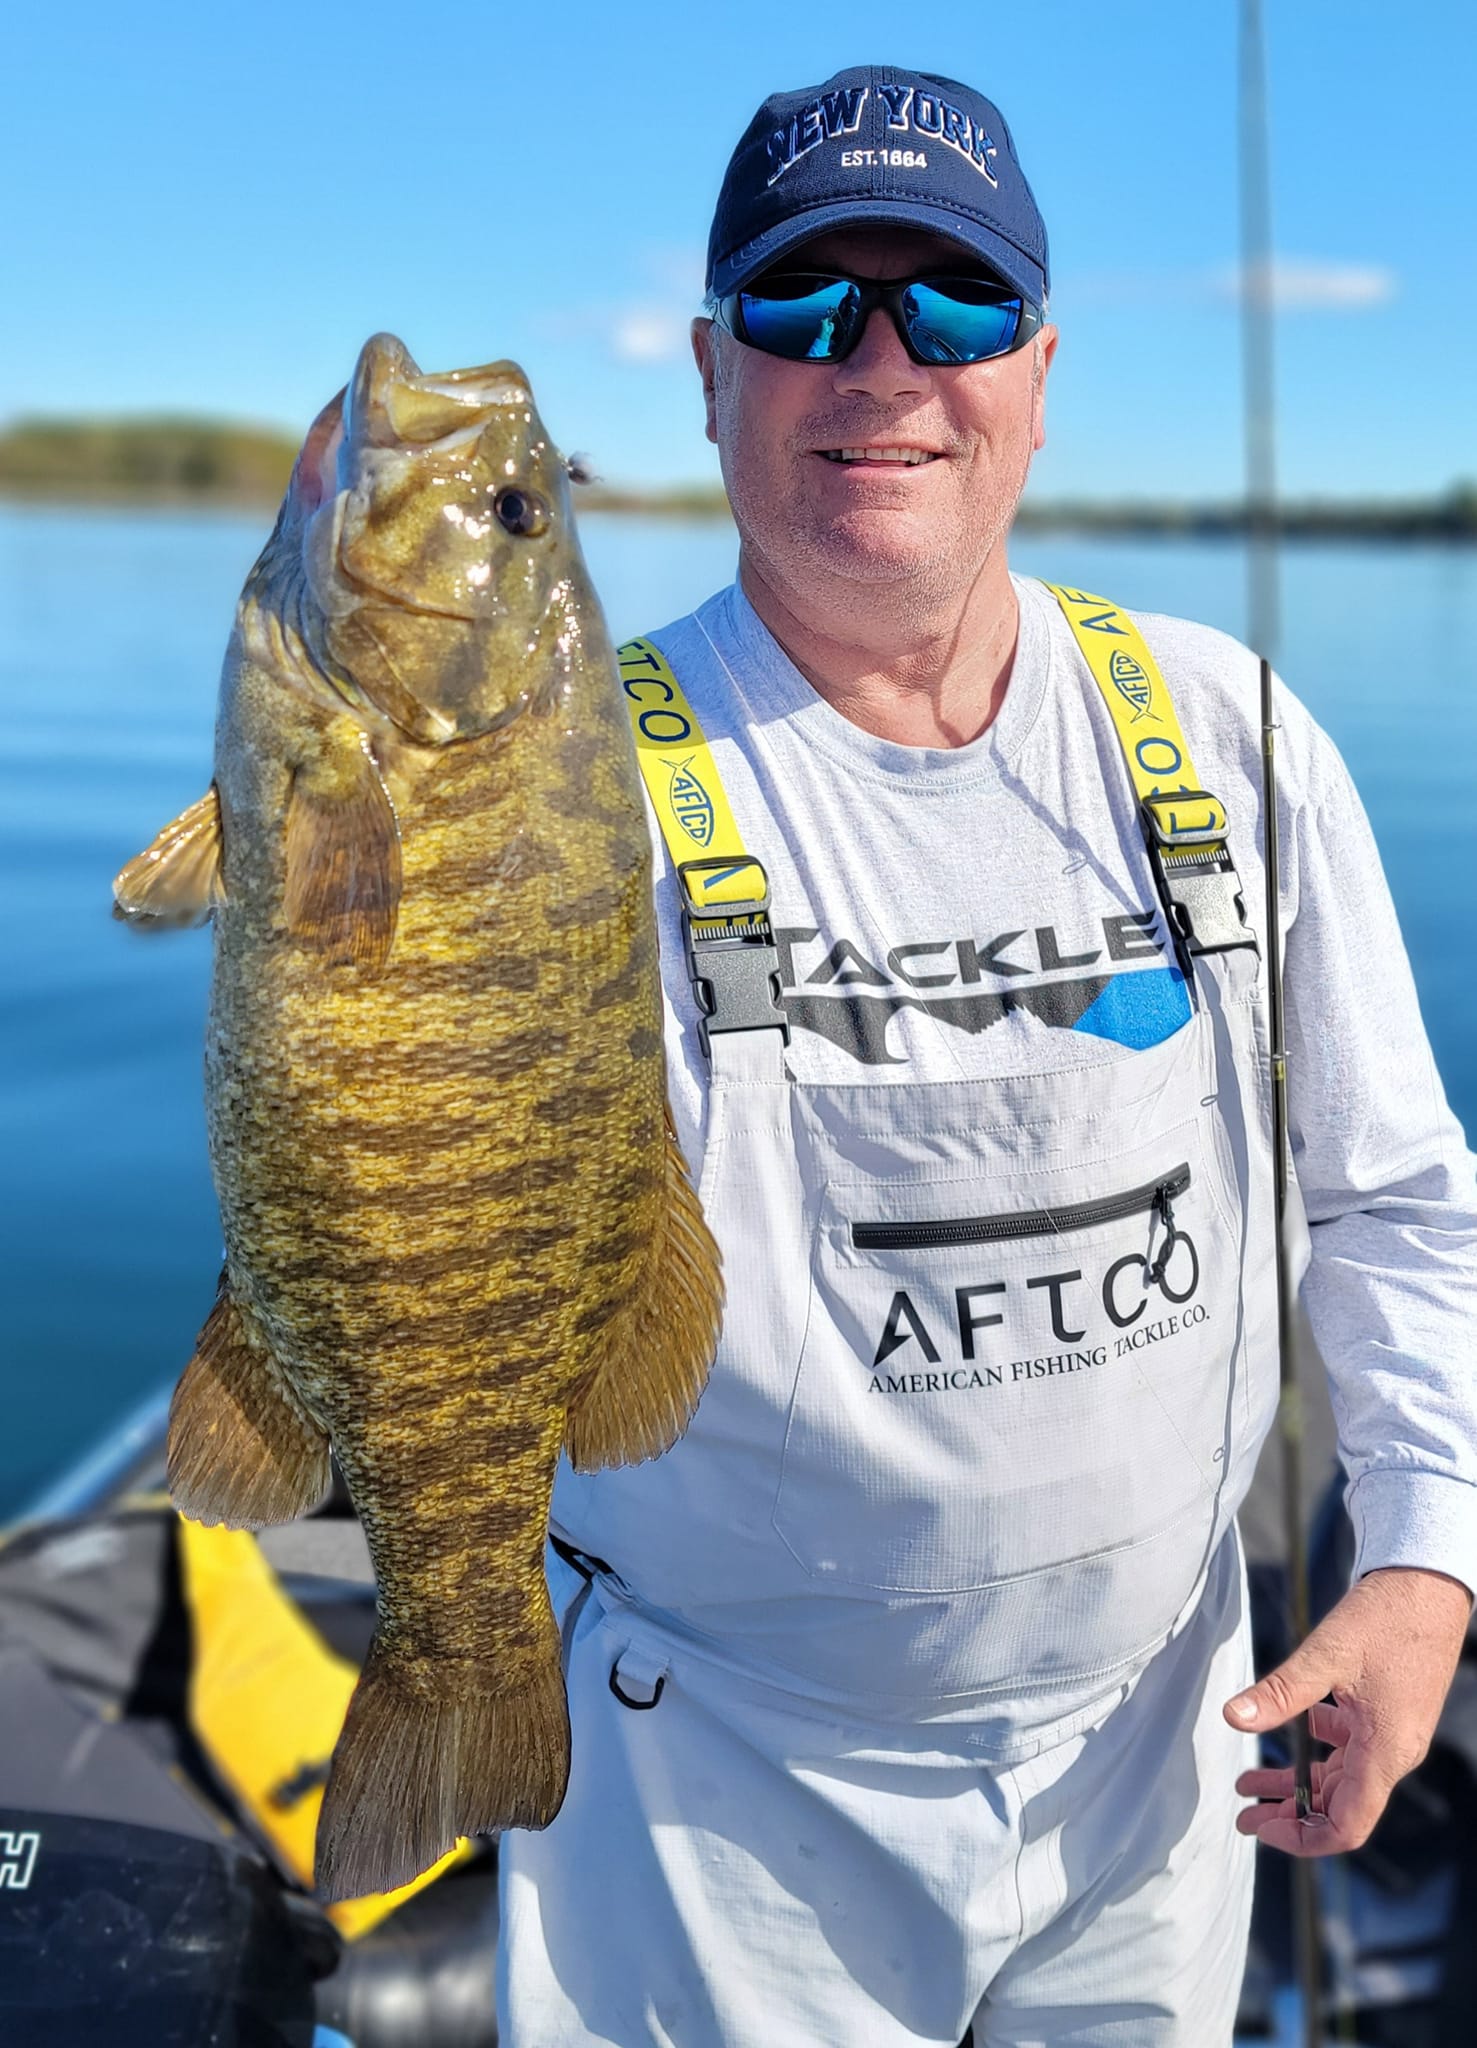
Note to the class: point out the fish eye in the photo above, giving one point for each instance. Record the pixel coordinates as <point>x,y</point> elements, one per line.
<point>521,513</point>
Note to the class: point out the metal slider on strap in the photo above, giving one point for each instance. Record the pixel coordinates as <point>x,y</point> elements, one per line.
<point>1196,877</point>
<point>731,955</point>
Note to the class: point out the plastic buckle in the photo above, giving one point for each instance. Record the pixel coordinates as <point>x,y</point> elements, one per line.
<point>1171,832</point>
<point>732,960</point>
<point>1198,885</point>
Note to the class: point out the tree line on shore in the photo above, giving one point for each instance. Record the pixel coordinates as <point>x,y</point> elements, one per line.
<point>195,461</point>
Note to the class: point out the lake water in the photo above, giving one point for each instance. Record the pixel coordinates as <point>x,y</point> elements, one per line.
<point>111,630</point>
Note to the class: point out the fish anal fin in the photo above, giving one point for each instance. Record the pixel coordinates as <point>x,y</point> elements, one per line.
<point>658,1353</point>
<point>342,894</point>
<point>243,1449</point>
<point>176,880</point>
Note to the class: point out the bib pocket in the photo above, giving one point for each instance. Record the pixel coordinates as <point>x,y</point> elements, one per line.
<point>988,1392</point>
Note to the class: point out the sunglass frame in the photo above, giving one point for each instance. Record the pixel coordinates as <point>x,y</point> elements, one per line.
<point>728,312</point>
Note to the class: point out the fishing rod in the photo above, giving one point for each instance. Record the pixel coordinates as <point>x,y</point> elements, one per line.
<point>1264,619</point>
<point>1290,1404</point>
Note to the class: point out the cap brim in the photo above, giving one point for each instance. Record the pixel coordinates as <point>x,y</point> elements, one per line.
<point>1018,269</point>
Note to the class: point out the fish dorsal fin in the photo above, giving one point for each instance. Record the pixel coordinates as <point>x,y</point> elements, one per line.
<point>176,880</point>
<point>343,854</point>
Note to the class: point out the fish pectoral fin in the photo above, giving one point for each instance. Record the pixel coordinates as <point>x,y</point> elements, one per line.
<point>176,880</point>
<point>657,1355</point>
<point>243,1449</point>
<point>343,854</point>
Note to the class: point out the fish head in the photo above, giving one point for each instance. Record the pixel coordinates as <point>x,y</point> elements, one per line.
<point>439,545</point>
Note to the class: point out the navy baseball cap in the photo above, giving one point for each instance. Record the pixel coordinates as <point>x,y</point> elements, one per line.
<point>877,144</point>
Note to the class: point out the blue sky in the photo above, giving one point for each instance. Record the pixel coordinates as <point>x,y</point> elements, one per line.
<point>209,208</point>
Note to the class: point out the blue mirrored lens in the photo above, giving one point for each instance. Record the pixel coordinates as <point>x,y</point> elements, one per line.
<point>813,326</point>
<point>958,323</point>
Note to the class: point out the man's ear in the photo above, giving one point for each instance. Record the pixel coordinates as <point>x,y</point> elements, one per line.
<point>1045,345</point>
<point>705,346</point>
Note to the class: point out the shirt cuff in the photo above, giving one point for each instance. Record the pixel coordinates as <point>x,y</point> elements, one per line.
<point>1425,1520</point>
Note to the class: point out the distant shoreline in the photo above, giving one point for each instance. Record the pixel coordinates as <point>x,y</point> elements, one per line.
<point>181,464</point>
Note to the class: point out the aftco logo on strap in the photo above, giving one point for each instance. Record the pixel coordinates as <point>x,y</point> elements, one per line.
<point>17,1860</point>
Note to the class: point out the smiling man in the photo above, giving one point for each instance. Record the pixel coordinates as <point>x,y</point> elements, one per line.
<point>911,1687</point>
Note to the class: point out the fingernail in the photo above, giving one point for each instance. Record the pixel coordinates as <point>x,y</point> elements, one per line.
<point>1244,1707</point>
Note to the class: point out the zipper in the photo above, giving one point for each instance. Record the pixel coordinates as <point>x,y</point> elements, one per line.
<point>957,1230</point>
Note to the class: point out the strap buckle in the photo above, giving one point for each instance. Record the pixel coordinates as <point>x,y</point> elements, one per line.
<point>1197,881</point>
<point>1173,830</point>
<point>732,959</point>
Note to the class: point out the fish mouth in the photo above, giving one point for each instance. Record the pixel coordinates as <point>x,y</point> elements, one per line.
<point>388,404</point>
<point>392,403</point>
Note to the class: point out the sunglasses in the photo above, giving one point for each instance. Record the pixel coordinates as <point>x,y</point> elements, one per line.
<point>809,317</point>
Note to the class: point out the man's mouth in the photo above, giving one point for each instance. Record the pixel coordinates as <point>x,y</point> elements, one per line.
<point>905,457</point>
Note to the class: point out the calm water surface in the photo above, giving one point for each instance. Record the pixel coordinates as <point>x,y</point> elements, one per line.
<point>111,631</point>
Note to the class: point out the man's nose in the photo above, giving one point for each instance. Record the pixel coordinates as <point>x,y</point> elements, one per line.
<point>879,365</point>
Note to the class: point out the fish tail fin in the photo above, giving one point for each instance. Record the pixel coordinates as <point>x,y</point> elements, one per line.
<point>243,1449</point>
<point>657,1358</point>
<point>429,1752</point>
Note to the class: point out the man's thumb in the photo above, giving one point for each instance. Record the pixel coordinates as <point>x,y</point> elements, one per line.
<point>1298,1683</point>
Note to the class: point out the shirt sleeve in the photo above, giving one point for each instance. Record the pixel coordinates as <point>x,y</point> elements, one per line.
<point>1390,1192</point>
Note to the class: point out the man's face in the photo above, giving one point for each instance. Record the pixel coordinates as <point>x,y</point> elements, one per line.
<point>779,424</point>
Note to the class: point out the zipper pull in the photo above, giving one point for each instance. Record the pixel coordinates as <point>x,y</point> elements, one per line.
<point>1156,1268</point>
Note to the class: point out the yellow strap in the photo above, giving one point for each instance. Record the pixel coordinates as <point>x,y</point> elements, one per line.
<point>1143,715</point>
<point>267,1700</point>
<point>681,779</point>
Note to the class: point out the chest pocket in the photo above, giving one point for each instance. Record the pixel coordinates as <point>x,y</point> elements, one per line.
<point>989,1392</point>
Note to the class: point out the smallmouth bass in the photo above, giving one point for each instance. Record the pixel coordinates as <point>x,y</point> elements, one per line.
<point>460,1234</point>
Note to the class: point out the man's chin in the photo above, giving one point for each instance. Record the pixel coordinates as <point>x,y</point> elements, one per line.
<point>862,544</point>
<point>877,546</point>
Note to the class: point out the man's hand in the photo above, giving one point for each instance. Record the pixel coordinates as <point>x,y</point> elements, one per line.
<point>1387,1653</point>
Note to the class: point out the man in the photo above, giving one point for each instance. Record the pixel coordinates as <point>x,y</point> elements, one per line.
<point>913,1683</point>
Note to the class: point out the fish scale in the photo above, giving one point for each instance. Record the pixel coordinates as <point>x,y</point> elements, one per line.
<point>460,1235</point>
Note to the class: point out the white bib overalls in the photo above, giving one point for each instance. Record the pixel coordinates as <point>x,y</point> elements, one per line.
<point>895,1691</point>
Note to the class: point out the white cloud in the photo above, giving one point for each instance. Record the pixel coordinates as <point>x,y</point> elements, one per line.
<point>1299,284</point>
<point>1314,284</point>
<point>648,334</point>
<point>652,325</point>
